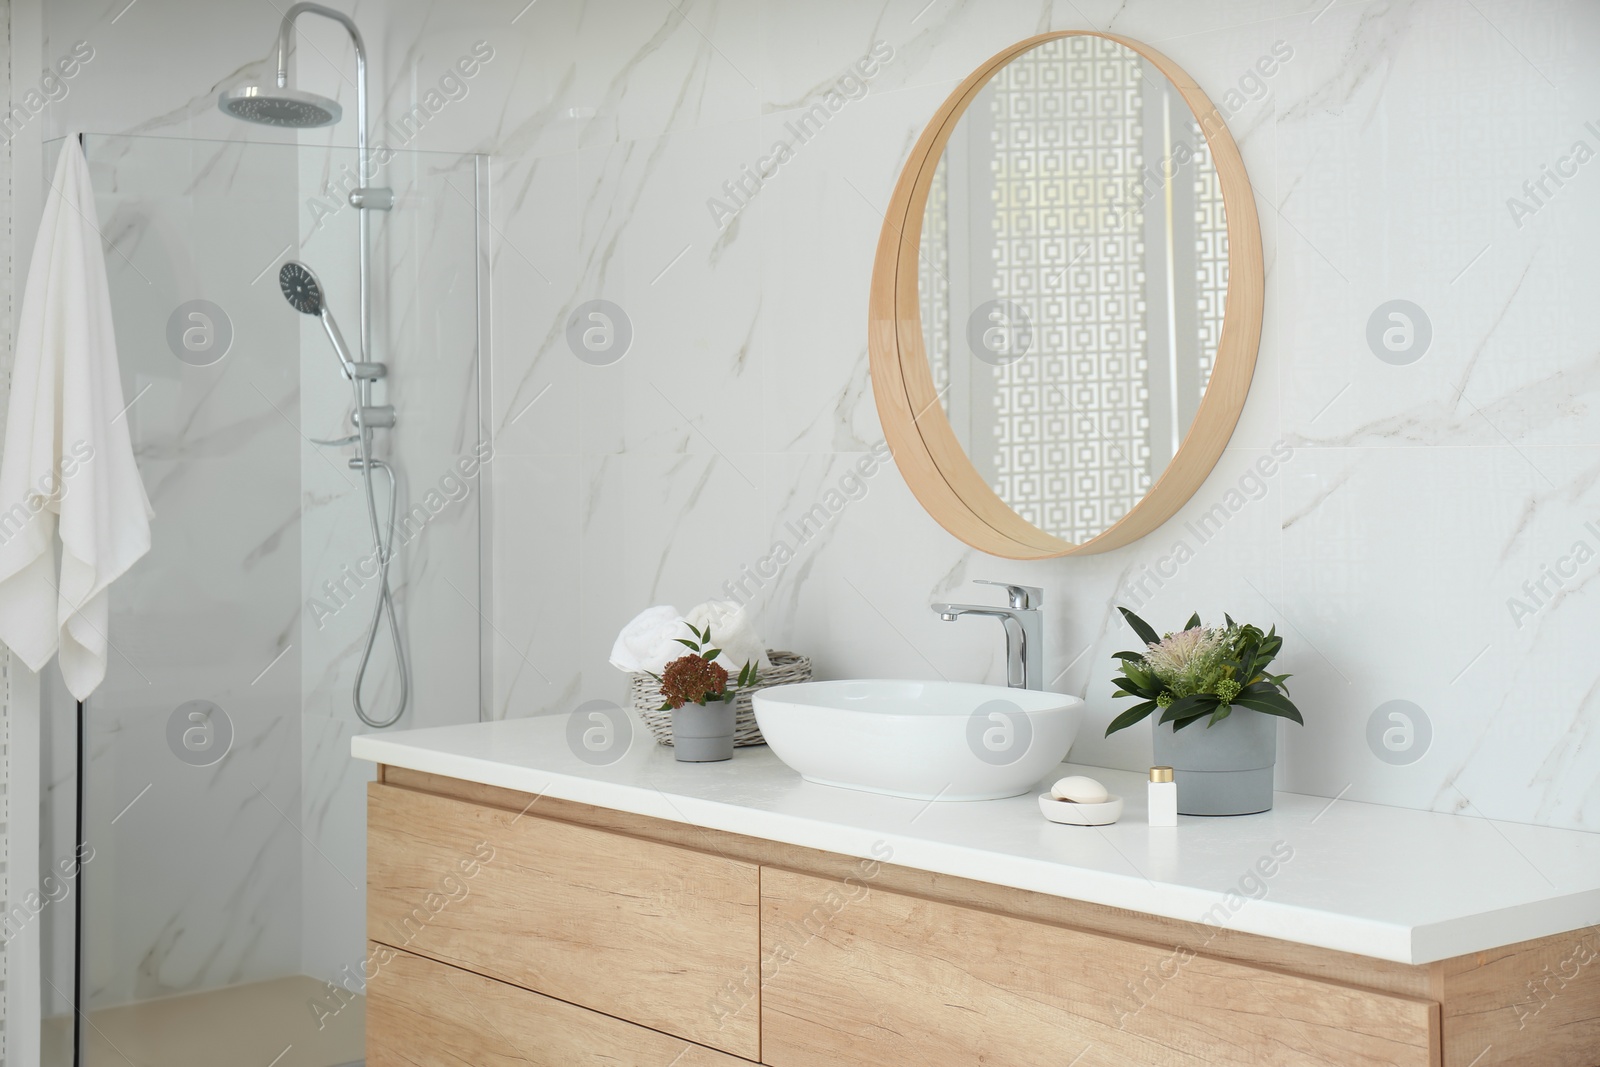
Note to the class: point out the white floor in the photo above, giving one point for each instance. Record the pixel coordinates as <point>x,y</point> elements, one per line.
<point>263,1024</point>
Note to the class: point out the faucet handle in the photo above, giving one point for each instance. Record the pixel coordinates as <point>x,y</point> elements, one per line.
<point>1022,596</point>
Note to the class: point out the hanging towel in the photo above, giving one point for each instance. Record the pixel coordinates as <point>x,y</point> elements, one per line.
<point>68,464</point>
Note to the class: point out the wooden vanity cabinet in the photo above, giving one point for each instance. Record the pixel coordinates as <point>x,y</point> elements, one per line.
<point>424,1012</point>
<point>513,930</point>
<point>876,977</point>
<point>636,929</point>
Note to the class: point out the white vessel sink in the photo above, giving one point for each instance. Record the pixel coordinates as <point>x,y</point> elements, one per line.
<point>924,740</point>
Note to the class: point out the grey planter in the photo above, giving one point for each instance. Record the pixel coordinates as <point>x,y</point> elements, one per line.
<point>703,733</point>
<point>1224,769</point>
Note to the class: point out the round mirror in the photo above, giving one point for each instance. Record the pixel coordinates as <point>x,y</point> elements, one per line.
<point>1067,298</point>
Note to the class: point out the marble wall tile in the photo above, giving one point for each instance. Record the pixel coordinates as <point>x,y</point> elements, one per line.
<point>661,529</point>
<point>825,207</point>
<point>1379,565</point>
<point>330,935</point>
<point>538,646</point>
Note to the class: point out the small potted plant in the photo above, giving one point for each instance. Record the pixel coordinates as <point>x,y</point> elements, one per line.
<point>1218,674</point>
<point>695,689</point>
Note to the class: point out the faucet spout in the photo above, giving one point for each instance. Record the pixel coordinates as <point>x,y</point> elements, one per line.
<point>1024,628</point>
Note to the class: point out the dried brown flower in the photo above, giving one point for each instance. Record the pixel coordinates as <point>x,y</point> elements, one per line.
<point>692,680</point>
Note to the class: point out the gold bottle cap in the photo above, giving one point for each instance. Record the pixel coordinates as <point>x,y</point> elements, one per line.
<point>1161,774</point>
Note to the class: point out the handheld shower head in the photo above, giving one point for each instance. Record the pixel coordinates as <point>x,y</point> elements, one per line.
<point>301,288</point>
<point>304,293</point>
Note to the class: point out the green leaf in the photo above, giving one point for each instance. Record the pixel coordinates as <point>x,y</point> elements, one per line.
<point>1228,619</point>
<point>1146,679</point>
<point>1128,685</point>
<point>1292,716</point>
<point>666,706</point>
<point>711,654</point>
<point>1194,621</point>
<point>1129,657</point>
<point>1270,704</point>
<point>1218,715</point>
<point>1131,716</point>
<point>1140,627</point>
<point>1190,707</point>
<point>691,645</point>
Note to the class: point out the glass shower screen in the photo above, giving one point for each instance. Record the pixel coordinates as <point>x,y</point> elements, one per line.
<point>223,906</point>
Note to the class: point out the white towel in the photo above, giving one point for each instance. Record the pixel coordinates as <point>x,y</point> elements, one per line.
<point>68,460</point>
<point>649,641</point>
<point>731,631</point>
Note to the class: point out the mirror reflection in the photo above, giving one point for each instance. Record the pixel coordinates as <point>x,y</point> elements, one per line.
<point>1073,276</point>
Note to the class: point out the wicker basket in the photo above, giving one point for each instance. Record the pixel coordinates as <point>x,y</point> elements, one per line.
<point>787,667</point>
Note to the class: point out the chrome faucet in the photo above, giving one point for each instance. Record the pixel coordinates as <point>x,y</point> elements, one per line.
<point>1024,627</point>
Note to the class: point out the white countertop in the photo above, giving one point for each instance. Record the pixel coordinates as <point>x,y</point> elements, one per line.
<point>1391,883</point>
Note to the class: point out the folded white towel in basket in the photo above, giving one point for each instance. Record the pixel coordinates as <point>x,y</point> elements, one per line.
<point>650,641</point>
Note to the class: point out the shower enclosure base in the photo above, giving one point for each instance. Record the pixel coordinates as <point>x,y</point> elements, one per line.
<point>244,1024</point>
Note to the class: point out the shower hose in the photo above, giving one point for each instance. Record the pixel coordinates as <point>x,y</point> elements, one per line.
<point>383,546</point>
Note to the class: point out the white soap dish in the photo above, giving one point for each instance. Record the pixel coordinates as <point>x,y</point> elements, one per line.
<point>1104,813</point>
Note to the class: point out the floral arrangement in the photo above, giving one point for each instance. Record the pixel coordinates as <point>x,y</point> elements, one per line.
<point>1201,672</point>
<point>697,678</point>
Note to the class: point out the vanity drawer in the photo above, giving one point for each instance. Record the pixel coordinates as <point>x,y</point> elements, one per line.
<point>645,931</point>
<point>864,976</point>
<point>426,1014</point>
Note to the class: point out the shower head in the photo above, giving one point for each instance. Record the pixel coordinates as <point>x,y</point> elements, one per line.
<point>271,106</point>
<point>304,293</point>
<point>301,288</point>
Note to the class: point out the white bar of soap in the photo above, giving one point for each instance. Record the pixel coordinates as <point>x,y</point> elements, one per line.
<point>1079,790</point>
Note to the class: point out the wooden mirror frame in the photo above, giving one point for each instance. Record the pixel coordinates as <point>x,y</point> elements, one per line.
<point>918,431</point>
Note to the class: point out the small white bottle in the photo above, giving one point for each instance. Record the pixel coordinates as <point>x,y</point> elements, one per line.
<point>1163,797</point>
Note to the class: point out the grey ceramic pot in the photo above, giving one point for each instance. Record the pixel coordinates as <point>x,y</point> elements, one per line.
<point>1224,769</point>
<point>703,733</point>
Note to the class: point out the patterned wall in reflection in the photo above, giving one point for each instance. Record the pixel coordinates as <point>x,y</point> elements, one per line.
<point>1211,251</point>
<point>933,277</point>
<point>1072,448</point>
